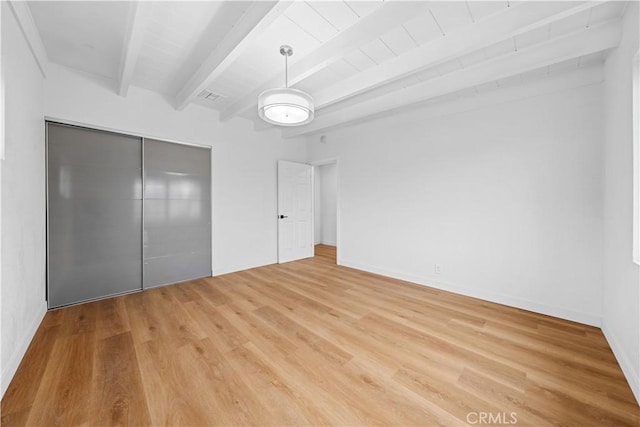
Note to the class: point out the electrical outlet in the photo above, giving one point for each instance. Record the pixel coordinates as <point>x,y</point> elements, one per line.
<point>436,268</point>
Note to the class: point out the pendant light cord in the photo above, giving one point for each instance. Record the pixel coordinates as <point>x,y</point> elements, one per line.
<point>286,70</point>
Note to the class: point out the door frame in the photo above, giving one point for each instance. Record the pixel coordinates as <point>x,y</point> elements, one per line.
<point>328,161</point>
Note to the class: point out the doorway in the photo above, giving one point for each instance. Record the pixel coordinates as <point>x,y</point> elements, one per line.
<point>325,208</point>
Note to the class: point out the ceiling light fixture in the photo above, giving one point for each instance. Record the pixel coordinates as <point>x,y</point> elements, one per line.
<point>285,106</point>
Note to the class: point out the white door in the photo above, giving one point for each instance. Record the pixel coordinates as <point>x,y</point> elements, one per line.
<point>295,211</point>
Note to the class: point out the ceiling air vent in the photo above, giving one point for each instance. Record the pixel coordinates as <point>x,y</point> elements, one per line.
<point>210,96</point>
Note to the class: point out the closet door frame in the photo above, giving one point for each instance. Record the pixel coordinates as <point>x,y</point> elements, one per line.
<point>71,123</point>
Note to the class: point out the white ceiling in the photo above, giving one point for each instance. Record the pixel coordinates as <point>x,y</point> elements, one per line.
<point>358,59</point>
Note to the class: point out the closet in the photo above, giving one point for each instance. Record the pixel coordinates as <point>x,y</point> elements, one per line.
<point>124,213</point>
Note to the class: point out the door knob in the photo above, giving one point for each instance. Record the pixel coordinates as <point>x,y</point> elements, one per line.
<point>283,216</point>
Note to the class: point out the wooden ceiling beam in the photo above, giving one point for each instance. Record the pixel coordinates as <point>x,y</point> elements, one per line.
<point>137,23</point>
<point>580,43</point>
<point>589,75</point>
<point>388,16</point>
<point>515,20</point>
<point>258,17</point>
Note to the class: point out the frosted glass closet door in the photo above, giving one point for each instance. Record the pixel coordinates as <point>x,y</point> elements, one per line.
<point>177,213</point>
<point>95,214</point>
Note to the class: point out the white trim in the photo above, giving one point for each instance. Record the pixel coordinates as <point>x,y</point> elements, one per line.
<point>212,205</point>
<point>29,29</point>
<point>120,131</point>
<point>635,108</point>
<point>143,192</point>
<point>2,110</point>
<point>327,161</point>
<point>313,208</point>
<point>233,268</point>
<point>3,380</point>
<point>3,131</point>
<point>630,372</point>
<point>46,213</point>
<point>509,300</point>
<point>9,369</point>
<point>338,212</point>
<point>317,239</point>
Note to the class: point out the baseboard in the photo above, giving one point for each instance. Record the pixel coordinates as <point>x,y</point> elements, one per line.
<point>563,313</point>
<point>630,372</point>
<point>9,370</point>
<point>234,268</point>
<point>329,242</point>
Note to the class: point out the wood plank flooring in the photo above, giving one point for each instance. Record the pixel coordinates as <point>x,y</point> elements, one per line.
<point>312,343</point>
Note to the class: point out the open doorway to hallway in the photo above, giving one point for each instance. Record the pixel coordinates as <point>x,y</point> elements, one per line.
<point>325,209</point>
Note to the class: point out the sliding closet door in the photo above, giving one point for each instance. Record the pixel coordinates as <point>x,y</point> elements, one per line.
<point>177,212</point>
<point>94,212</point>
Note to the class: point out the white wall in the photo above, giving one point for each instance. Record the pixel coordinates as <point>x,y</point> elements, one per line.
<point>244,162</point>
<point>328,199</point>
<point>621,313</point>
<point>23,199</point>
<point>507,199</point>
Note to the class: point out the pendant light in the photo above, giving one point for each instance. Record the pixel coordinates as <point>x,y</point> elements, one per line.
<point>285,106</point>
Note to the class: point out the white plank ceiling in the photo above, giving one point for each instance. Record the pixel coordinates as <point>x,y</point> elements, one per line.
<point>358,59</point>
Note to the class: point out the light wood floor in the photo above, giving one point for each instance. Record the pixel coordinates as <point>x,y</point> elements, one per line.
<point>311,343</point>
